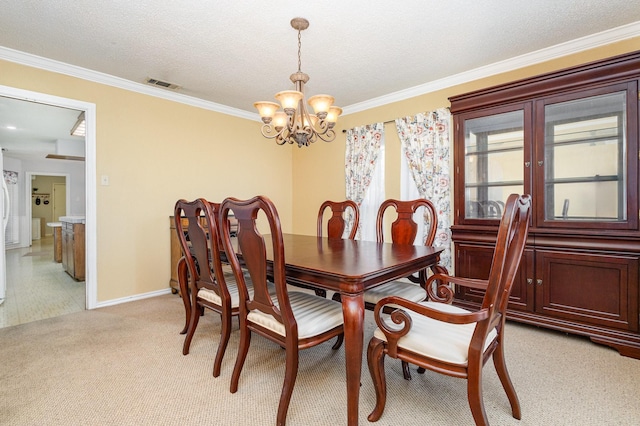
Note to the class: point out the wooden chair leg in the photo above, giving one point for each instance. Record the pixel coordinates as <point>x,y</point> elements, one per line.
<point>405,370</point>
<point>338,342</point>
<point>503,374</point>
<point>184,293</point>
<point>474,395</point>
<point>225,334</point>
<point>243,349</point>
<point>193,324</point>
<point>375,360</point>
<point>290,375</point>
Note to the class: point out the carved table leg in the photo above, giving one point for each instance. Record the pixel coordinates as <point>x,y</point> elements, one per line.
<point>353,311</point>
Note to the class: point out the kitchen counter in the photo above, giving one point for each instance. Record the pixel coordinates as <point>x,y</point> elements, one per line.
<point>72,219</point>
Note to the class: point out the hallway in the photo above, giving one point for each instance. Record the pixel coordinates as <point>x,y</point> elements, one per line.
<point>37,287</point>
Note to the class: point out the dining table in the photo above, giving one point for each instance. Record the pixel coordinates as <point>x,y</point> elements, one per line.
<point>350,267</point>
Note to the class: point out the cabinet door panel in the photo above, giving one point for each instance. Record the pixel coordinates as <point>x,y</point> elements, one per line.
<point>599,289</point>
<point>474,261</point>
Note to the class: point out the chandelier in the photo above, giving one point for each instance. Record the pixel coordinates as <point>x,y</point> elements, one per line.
<point>294,124</point>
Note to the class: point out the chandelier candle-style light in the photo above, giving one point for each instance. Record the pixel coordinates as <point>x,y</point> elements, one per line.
<point>294,124</point>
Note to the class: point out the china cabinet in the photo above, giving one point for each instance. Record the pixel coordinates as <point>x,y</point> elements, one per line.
<point>570,140</point>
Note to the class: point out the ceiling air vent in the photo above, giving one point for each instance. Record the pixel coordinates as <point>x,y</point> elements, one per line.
<point>160,83</point>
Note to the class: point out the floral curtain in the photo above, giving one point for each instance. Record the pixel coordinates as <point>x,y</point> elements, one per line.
<point>10,177</point>
<point>361,156</point>
<point>425,145</point>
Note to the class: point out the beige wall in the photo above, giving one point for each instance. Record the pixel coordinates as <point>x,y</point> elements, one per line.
<point>154,152</point>
<point>318,172</point>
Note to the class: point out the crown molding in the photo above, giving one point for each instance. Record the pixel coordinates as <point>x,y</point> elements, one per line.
<point>563,49</point>
<point>109,80</point>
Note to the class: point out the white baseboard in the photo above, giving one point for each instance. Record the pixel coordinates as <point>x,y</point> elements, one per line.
<point>132,298</point>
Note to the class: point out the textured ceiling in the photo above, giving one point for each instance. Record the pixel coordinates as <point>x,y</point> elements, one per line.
<point>236,52</point>
<point>233,53</point>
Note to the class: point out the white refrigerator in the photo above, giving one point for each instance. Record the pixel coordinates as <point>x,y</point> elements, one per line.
<point>4,208</point>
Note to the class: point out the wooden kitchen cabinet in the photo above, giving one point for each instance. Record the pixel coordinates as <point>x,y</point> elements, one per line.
<point>73,249</point>
<point>570,140</point>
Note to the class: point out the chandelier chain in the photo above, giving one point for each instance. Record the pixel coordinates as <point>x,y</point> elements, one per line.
<point>299,49</point>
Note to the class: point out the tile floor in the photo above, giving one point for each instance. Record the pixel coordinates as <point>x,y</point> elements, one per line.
<point>38,287</point>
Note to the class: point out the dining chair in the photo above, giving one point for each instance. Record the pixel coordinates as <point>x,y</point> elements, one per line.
<point>294,320</point>
<point>209,285</point>
<point>337,224</point>
<point>446,339</point>
<point>404,231</point>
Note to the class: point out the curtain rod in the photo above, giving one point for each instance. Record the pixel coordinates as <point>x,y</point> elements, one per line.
<point>389,121</point>
<point>384,122</point>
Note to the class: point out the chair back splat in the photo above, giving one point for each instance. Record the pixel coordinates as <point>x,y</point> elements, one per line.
<point>337,224</point>
<point>404,229</point>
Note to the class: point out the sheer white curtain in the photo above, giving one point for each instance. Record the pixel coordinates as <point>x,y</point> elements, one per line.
<point>364,175</point>
<point>425,145</point>
<point>409,191</point>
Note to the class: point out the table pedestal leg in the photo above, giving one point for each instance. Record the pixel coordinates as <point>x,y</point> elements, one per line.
<point>353,311</point>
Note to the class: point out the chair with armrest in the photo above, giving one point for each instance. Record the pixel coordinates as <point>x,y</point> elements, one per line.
<point>294,320</point>
<point>450,340</point>
<point>209,285</point>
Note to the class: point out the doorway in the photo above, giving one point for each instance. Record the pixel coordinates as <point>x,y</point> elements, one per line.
<point>88,189</point>
<point>59,200</point>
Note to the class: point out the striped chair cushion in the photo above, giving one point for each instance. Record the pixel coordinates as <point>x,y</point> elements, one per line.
<point>408,291</point>
<point>212,297</point>
<point>314,315</point>
<point>436,339</point>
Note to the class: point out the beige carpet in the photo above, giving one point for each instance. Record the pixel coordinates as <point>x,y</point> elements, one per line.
<point>122,365</point>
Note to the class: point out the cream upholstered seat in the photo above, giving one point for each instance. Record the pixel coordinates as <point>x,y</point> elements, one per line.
<point>439,340</point>
<point>450,340</point>
<point>293,319</point>
<point>213,297</point>
<point>406,290</point>
<point>313,315</point>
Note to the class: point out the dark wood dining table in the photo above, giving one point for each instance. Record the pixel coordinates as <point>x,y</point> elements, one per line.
<point>350,267</point>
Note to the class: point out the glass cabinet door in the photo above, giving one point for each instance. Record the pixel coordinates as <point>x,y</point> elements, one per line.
<point>493,162</point>
<point>585,159</point>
